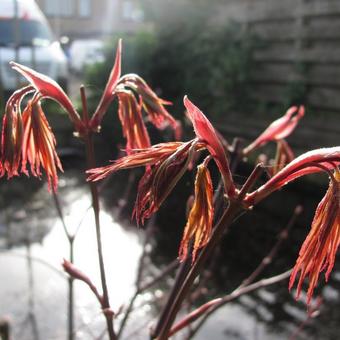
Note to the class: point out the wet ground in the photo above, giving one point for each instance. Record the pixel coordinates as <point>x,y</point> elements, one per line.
<point>33,287</point>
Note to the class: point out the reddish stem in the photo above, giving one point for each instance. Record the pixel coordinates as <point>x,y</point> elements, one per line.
<point>96,209</point>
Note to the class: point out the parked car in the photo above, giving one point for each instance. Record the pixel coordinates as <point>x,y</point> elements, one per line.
<point>84,52</point>
<point>26,37</point>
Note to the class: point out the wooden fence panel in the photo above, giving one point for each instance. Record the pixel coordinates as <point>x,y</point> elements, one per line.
<point>300,45</point>
<point>320,8</point>
<point>320,53</point>
<point>322,28</point>
<point>274,30</point>
<point>324,74</point>
<point>271,10</point>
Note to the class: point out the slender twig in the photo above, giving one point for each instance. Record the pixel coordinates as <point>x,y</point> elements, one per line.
<point>236,154</point>
<point>260,268</point>
<point>219,200</point>
<point>251,180</point>
<point>254,274</point>
<point>71,295</point>
<point>217,303</point>
<point>312,313</point>
<point>82,221</point>
<point>149,231</point>
<point>31,315</point>
<point>136,331</point>
<point>82,325</point>
<point>61,216</point>
<point>70,239</point>
<point>167,270</point>
<point>35,259</point>
<point>95,205</point>
<point>272,253</point>
<point>180,277</point>
<point>125,197</point>
<point>139,276</point>
<point>126,315</point>
<point>227,218</point>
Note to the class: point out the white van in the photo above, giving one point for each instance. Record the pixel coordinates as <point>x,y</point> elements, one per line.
<point>25,37</point>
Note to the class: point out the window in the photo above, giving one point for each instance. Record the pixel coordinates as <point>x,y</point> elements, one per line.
<point>84,8</point>
<point>63,8</point>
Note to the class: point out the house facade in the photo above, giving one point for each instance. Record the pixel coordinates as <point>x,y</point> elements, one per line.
<point>91,18</point>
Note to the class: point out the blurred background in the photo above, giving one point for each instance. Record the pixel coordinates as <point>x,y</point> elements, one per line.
<point>243,62</point>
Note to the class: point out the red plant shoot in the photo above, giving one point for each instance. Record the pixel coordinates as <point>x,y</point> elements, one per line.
<point>279,129</point>
<point>165,164</point>
<point>159,180</point>
<point>12,134</point>
<point>144,157</point>
<point>130,115</point>
<point>47,88</point>
<point>109,91</point>
<point>200,220</point>
<point>134,97</point>
<point>319,249</point>
<point>305,164</point>
<point>284,155</point>
<point>151,103</point>
<point>38,147</point>
<point>28,138</point>
<point>207,134</point>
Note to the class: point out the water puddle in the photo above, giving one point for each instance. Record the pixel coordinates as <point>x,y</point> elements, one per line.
<point>33,285</point>
<point>34,288</point>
